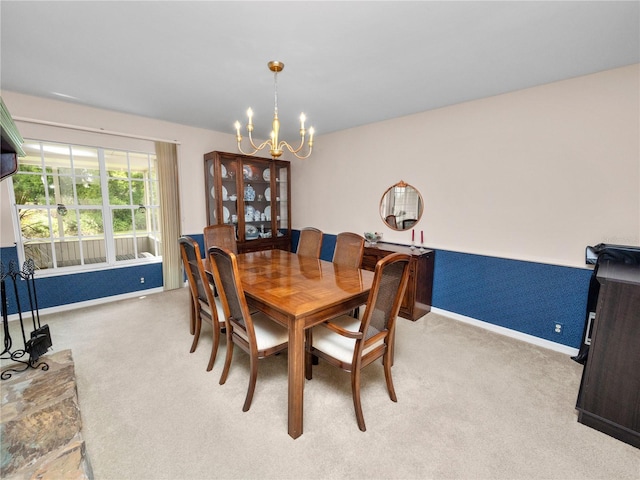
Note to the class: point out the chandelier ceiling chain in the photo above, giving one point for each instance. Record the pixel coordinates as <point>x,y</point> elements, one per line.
<point>275,146</point>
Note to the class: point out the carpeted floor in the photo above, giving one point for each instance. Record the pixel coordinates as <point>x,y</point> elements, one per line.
<point>471,405</point>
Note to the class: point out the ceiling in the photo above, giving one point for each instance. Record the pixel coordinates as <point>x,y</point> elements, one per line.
<point>346,63</point>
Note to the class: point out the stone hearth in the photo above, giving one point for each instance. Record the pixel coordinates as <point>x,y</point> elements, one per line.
<point>41,426</point>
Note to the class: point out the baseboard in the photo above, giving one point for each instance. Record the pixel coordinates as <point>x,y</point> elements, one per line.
<point>558,347</point>
<point>541,342</point>
<point>26,315</point>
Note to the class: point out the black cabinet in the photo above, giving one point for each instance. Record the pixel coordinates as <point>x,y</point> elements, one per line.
<point>609,397</point>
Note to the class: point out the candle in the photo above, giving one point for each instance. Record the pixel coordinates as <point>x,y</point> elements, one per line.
<point>421,236</point>
<point>413,235</point>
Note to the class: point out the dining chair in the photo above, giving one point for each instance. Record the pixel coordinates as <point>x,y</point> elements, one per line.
<point>348,252</point>
<point>203,303</point>
<point>257,334</point>
<point>349,249</point>
<point>351,344</point>
<point>391,221</point>
<point>220,236</point>
<point>310,242</point>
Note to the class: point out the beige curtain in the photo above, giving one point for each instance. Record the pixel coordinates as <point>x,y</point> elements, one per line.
<point>169,214</point>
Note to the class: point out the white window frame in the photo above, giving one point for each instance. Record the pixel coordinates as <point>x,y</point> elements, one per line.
<point>107,214</point>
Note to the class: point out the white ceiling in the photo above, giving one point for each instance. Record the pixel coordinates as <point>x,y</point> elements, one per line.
<point>347,63</point>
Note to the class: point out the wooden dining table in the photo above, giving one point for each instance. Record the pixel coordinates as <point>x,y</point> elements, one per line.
<point>299,292</point>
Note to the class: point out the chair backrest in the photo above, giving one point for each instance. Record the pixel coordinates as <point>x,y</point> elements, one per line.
<point>349,249</point>
<point>391,221</point>
<point>310,242</point>
<point>196,275</point>
<point>224,266</point>
<point>389,283</point>
<point>220,236</point>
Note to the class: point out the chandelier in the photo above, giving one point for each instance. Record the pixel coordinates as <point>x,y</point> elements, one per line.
<point>275,145</point>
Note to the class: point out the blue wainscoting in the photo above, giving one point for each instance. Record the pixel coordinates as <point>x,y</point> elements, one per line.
<point>55,291</point>
<point>526,297</point>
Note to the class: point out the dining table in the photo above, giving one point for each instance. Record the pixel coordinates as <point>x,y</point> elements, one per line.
<point>299,292</point>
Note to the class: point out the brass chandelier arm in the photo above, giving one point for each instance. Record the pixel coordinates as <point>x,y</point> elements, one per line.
<point>256,148</point>
<point>295,151</point>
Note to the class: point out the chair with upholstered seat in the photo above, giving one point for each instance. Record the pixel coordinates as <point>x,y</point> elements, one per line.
<point>220,236</point>
<point>203,303</point>
<point>349,249</point>
<point>310,242</point>
<point>256,334</point>
<point>352,344</point>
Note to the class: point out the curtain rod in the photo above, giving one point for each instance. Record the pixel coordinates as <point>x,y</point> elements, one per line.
<point>91,129</point>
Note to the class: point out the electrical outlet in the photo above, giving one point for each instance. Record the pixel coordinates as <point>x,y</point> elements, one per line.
<point>557,328</point>
<point>141,279</point>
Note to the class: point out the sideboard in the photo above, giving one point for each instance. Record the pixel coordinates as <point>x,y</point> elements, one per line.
<point>417,297</point>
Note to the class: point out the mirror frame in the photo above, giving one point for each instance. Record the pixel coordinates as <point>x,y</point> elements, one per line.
<point>391,190</point>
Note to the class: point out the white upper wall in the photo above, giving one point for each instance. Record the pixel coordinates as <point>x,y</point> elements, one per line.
<point>536,175</point>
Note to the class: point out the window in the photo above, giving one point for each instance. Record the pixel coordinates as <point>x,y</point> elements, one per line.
<point>80,207</point>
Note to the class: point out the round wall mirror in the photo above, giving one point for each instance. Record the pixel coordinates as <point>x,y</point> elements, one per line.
<point>401,206</point>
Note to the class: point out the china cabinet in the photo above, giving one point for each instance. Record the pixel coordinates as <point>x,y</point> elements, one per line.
<point>417,297</point>
<point>252,194</point>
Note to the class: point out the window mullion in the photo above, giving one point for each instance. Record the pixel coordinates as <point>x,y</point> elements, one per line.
<point>52,243</point>
<point>106,210</point>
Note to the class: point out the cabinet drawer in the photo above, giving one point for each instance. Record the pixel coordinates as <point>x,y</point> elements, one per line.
<point>369,261</point>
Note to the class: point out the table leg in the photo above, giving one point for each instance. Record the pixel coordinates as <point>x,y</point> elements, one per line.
<point>296,376</point>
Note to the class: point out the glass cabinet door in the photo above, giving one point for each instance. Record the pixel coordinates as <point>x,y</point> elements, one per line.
<point>228,192</point>
<point>281,200</point>
<point>210,175</point>
<point>257,200</point>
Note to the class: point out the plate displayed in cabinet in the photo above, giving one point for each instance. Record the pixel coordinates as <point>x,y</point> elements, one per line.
<point>223,169</point>
<point>225,195</point>
<point>211,170</point>
<point>225,214</point>
<point>213,192</point>
<point>267,212</point>
<point>249,172</point>
<point>266,175</point>
<point>267,194</point>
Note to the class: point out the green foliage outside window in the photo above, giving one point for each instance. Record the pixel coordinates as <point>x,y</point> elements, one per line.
<point>62,201</point>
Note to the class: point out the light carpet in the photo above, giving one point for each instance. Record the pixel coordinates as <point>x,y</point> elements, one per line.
<point>472,404</point>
